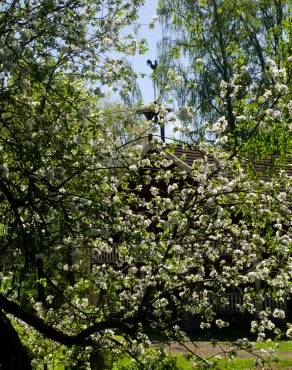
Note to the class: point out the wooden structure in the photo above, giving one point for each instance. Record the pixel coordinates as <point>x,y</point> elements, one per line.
<point>151,112</point>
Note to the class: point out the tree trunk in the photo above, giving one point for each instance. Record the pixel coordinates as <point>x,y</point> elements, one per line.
<point>13,354</point>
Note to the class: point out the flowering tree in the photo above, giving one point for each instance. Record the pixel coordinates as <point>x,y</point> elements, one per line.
<point>199,233</point>
<point>184,236</point>
<point>55,66</point>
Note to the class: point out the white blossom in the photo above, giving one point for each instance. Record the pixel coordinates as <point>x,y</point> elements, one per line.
<point>279,313</point>
<point>281,88</point>
<point>289,332</point>
<point>221,140</point>
<point>220,125</point>
<point>267,94</point>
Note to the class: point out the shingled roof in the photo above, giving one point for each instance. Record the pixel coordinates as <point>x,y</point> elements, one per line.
<point>188,154</point>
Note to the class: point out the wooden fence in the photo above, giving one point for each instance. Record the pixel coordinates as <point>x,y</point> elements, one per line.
<point>105,257</point>
<point>235,302</point>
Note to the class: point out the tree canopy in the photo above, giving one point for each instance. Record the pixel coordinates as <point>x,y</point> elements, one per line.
<point>73,189</point>
<point>230,59</point>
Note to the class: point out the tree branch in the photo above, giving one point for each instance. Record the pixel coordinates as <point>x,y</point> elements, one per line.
<point>82,338</point>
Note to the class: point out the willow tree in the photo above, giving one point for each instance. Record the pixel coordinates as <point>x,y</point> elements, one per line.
<point>228,58</point>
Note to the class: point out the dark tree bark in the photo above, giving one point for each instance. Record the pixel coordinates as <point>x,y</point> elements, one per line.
<point>81,339</point>
<point>13,354</point>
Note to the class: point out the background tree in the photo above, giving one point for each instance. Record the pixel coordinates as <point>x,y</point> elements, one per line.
<point>231,59</point>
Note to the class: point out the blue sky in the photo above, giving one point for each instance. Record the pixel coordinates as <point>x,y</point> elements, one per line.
<point>138,62</point>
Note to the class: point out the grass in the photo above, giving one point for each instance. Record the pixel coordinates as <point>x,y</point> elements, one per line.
<point>183,363</point>
<point>284,362</point>
<point>235,364</point>
<point>283,345</point>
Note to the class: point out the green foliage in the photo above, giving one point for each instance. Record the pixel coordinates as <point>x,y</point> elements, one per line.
<point>99,242</point>
<point>230,59</point>
<point>150,360</point>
